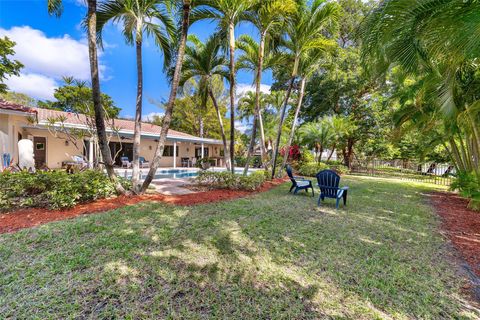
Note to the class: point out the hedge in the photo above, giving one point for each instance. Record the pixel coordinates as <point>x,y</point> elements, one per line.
<point>53,189</point>
<point>228,180</point>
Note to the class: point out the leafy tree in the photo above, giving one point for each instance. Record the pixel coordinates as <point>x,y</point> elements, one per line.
<point>76,96</point>
<point>8,67</point>
<point>19,98</point>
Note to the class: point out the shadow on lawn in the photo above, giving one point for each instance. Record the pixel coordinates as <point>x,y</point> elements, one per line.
<point>274,256</point>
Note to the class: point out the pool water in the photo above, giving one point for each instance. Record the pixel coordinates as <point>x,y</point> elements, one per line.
<point>183,173</point>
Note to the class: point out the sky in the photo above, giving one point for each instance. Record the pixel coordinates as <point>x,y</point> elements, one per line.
<point>51,47</point>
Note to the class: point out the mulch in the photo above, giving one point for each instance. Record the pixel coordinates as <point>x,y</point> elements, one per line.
<point>461,225</point>
<point>27,218</point>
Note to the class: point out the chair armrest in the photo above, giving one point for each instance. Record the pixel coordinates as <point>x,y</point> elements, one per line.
<point>299,178</point>
<point>344,188</point>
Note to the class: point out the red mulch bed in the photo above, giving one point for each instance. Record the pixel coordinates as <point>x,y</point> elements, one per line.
<point>27,218</point>
<point>461,225</point>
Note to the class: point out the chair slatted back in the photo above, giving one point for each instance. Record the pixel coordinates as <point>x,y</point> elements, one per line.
<point>328,182</point>
<point>290,174</point>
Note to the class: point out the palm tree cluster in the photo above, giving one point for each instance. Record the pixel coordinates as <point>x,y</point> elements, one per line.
<point>431,50</point>
<point>297,33</point>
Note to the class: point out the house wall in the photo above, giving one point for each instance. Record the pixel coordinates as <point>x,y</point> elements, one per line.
<point>57,150</point>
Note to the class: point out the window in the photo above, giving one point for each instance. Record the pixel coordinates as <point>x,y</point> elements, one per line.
<point>198,152</point>
<point>168,151</point>
<point>40,146</point>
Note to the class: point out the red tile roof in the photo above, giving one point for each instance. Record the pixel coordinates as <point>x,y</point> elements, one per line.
<point>121,124</point>
<point>45,115</point>
<point>7,105</point>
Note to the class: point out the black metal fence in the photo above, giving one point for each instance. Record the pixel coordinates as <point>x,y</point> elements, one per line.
<point>436,173</point>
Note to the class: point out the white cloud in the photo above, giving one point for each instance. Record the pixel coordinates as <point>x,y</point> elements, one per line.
<point>47,60</point>
<point>243,88</point>
<point>240,126</point>
<point>35,85</point>
<point>151,115</point>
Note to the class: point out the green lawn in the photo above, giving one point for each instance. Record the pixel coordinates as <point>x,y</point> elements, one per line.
<point>273,256</point>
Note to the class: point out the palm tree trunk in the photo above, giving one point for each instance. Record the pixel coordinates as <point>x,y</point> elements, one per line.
<point>456,155</point>
<point>226,156</point>
<point>262,135</point>
<point>294,124</point>
<point>280,124</point>
<point>231,36</point>
<point>258,80</point>
<point>171,99</point>
<point>138,119</point>
<point>97,101</point>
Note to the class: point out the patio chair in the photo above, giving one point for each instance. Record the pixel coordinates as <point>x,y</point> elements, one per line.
<point>125,162</point>
<point>299,183</point>
<point>143,163</point>
<point>328,182</point>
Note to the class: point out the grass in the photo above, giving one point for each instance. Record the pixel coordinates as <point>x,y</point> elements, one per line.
<point>270,256</point>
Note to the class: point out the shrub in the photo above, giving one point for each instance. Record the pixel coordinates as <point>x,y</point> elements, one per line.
<point>228,180</point>
<point>53,189</point>
<point>310,169</point>
<point>469,186</point>
<point>307,156</point>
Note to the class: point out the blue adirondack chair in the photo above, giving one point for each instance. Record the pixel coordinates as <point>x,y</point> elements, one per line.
<point>328,182</point>
<point>299,183</point>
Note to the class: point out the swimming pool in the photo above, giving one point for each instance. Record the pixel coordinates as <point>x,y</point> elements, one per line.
<point>185,173</point>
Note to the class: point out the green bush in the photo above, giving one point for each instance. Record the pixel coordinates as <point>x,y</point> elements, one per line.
<point>307,156</point>
<point>310,169</point>
<point>53,189</point>
<point>228,180</point>
<point>469,186</point>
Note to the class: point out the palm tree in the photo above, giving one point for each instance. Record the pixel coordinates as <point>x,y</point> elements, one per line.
<point>308,65</point>
<point>268,16</point>
<point>317,135</point>
<point>227,13</point>
<point>139,17</point>
<point>438,42</point>
<point>55,7</point>
<point>204,62</point>
<point>305,32</point>
<point>167,118</point>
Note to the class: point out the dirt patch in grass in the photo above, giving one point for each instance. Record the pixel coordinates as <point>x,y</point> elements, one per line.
<point>27,218</point>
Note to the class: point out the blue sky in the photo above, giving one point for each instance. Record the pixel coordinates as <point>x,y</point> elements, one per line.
<point>51,47</point>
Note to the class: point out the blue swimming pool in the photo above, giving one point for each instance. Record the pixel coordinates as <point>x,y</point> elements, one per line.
<point>184,173</point>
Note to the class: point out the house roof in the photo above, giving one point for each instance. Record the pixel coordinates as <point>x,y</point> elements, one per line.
<point>80,121</point>
<point>7,105</point>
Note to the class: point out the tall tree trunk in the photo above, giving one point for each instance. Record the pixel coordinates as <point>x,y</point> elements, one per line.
<point>226,155</point>
<point>349,153</point>
<point>171,99</point>
<point>280,124</point>
<point>231,36</point>
<point>294,124</point>
<point>138,118</point>
<point>258,81</point>
<point>96,95</point>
